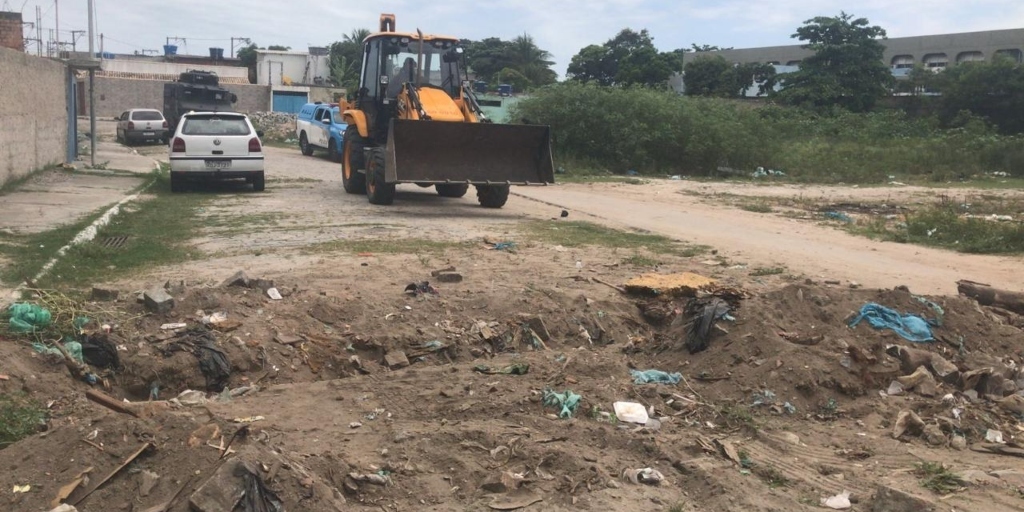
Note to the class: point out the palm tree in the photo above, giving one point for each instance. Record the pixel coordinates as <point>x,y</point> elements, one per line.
<point>356,36</point>
<point>533,62</point>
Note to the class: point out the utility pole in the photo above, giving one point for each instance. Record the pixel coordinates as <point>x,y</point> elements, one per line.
<point>240,40</point>
<point>92,93</point>
<point>56,21</point>
<point>39,31</point>
<point>101,44</point>
<point>75,34</point>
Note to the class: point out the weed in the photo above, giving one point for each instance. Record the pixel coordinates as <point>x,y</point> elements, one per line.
<point>737,416</point>
<point>397,245</point>
<point>745,461</point>
<point>939,478</point>
<point>424,259</point>
<point>771,476</point>
<point>757,207</point>
<point>639,260</point>
<point>20,417</point>
<point>678,507</point>
<point>767,271</point>
<point>828,410</point>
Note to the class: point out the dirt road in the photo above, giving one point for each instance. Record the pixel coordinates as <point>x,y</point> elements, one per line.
<point>820,251</point>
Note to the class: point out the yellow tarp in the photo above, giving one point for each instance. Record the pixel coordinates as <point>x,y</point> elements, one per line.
<point>684,284</point>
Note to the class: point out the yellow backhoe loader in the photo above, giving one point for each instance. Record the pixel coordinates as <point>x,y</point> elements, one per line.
<point>414,119</point>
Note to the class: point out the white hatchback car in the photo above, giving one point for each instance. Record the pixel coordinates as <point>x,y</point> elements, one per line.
<point>216,146</point>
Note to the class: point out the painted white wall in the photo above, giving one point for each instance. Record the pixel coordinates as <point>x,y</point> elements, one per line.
<point>272,67</point>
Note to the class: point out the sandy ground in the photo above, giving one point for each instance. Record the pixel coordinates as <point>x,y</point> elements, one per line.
<point>333,405</point>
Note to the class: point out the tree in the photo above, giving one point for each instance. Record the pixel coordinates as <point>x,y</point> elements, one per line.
<point>714,76</point>
<point>517,80</point>
<point>346,58</point>
<point>278,48</point>
<point>489,57</point>
<point>629,58</point>
<point>846,69</point>
<point>991,90</point>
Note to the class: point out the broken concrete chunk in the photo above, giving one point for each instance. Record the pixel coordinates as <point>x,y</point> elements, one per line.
<point>158,300</point>
<point>1012,403</point>
<point>907,422</point>
<point>887,499</point>
<point>221,492</point>
<point>288,339</point>
<point>396,359</point>
<point>537,324</point>
<point>104,294</point>
<point>147,480</point>
<point>448,277</point>
<point>239,279</point>
<point>261,284</point>
<point>933,435</point>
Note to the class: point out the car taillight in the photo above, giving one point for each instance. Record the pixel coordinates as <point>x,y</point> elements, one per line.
<point>254,145</point>
<point>165,124</point>
<point>131,125</point>
<point>178,145</point>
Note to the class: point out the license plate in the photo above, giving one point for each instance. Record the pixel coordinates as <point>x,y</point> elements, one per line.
<point>218,164</point>
<point>148,134</point>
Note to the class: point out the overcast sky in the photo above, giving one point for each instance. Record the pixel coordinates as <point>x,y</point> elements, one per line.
<point>559,26</point>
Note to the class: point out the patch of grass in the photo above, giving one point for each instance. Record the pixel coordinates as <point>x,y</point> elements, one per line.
<point>756,207</point>
<point>639,260</point>
<point>678,507</point>
<point>12,185</point>
<point>767,271</point>
<point>158,228</point>
<point>579,234</point>
<point>939,478</point>
<point>20,417</point>
<point>771,476</point>
<point>395,245</point>
<point>26,254</point>
<point>943,226</point>
<point>737,416</point>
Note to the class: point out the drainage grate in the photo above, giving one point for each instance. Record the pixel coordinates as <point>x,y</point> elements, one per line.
<point>114,242</point>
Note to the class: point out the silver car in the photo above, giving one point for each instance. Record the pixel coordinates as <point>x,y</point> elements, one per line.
<point>141,124</point>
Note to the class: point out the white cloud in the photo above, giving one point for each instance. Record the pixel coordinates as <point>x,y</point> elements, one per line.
<point>559,26</point>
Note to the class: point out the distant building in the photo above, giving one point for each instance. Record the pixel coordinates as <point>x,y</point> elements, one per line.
<point>935,52</point>
<point>296,78</point>
<point>11,31</point>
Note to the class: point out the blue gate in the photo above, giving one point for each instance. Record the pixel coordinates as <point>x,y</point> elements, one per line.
<point>290,102</point>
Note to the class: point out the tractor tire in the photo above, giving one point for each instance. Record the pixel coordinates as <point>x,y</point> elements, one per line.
<point>352,160</point>
<point>377,190</point>
<point>304,146</point>
<point>332,151</point>
<point>451,189</point>
<point>492,196</point>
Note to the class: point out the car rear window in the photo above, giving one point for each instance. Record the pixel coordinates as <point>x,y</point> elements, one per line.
<point>144,115</point>
<point>215,125</point>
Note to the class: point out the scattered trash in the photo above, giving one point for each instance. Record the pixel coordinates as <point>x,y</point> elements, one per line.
<point>248,419</point>
<point>675,177</point>
<point>125,463</point>
<point>512,369</point>
<point>789,408</point>
<point>685,284</point>
<point>566,402</point>
<point>907,422</point>
<point>840,501</point>
<point>28,317</point>
<point>840,216</point>
<point>647,476</point>
<point>632,172</point>
<point>761,172</point>
<point>655,376</point>
<point>503,246</point>
<point>895,388</point>
<point>173,326</point>
<point>257,496</point>
<point>765,397</point>
<point>631,412</point>
<point>520,498</point>
<point>64,507</point>
<point>274,294</point>
<point>355,425</point>
<point>701,315</point>
<point>190,397</point>
<point>370,478</point>
<point>423,288</point>
<point>910,327</point>
<point>21,488</point>
<point>939,312</point>
<point>73,348</point>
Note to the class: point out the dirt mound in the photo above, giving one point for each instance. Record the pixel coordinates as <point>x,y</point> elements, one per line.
<point>373,398</point>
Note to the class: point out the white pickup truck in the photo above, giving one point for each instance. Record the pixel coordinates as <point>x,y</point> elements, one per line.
<point>319,126</point>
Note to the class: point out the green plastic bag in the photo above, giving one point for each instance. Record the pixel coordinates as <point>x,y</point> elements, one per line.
<point>28,317</point>
<point>73,347</point>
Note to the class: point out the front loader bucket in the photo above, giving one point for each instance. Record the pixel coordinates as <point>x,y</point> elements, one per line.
<point>475,153</point>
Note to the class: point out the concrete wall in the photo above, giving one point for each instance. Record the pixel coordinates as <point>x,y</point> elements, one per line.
<point>172,69</point>
<point>273,67</point>
<point>33,114</point>
<point>115,95</point>
<point>10,31</point>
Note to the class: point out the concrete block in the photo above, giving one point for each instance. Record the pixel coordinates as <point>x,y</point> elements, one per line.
<point>396,359</point>
<point>158,300</point>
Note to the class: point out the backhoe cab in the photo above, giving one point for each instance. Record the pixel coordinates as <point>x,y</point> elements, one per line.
<point>415,120</point>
